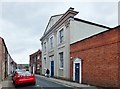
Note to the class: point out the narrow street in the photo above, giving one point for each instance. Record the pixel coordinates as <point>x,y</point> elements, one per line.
<point>41,83</point>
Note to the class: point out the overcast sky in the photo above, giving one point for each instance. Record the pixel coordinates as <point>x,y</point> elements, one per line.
<point>22,24</point>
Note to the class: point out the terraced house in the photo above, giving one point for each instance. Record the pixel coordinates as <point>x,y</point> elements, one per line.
<point>6,62</point>
<point>2,59</point>
<point>12,65</point>
<point>35,62</point>
<point>61,31</point>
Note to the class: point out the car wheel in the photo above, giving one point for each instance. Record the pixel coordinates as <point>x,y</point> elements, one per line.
<point>16,85</point>
<point>34,83</point>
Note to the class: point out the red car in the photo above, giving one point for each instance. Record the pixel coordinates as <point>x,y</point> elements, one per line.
<point>22,78</point>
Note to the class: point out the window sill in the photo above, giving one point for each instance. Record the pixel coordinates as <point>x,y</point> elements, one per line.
<point>61,45</point>
<point>51,50</point>
<point>44,53</point>
<point>61,68</point>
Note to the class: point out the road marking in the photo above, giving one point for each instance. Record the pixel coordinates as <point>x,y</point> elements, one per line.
<point>38,85</point>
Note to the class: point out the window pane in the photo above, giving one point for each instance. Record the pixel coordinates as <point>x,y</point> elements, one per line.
<point>61,36</point>
<point>45,46</point>
<point>38,57</point>
<point>61,60</point>
<point>45,62</point>
<point>51,42</point>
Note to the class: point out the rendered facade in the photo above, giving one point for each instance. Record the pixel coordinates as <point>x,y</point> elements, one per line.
<point>62,31</point>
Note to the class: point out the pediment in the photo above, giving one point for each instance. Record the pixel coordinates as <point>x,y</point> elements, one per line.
<point>52,21</point>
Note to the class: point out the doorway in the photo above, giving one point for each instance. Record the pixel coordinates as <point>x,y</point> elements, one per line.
<point>77,73</point>
<point>52,68</point>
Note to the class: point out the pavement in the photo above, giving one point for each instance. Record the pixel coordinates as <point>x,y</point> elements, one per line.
<point>6,82</point>
<point>68,83</point>
<point>0,85</point>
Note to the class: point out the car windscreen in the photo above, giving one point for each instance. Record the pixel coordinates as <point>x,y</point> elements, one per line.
<point>20,70</point>
<point>24,73</point>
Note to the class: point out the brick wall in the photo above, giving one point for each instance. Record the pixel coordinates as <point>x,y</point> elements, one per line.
<point>0,59</point>
<point>35,61</point>
<point>100,59</point>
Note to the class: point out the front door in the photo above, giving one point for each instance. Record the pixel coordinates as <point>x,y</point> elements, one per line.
<point>77,71</point>
<point>52,68</point>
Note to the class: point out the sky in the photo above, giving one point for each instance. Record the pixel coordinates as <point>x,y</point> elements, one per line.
<point>23,22</point>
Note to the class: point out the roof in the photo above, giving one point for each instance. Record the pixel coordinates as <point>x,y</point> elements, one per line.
<point>35,53</point>
<point>88,22</point>
<point>70,10</point>
<point>4,44</point>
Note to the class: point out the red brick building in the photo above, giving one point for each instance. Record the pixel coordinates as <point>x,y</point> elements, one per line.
<point>96,60</point>
<point>36,62</point>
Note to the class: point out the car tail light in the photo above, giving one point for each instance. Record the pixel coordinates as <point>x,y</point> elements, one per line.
<point>32,75</point>
<point>18,76</point>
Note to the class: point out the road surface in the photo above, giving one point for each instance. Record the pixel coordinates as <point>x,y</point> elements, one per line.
<point>42,83</point>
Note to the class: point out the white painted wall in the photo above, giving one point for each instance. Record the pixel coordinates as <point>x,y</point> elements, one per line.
<point>64,47</point>
<point>80,30</point>
<point>42,58</point>
<point>33,69</point>
<point>44,55</point>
